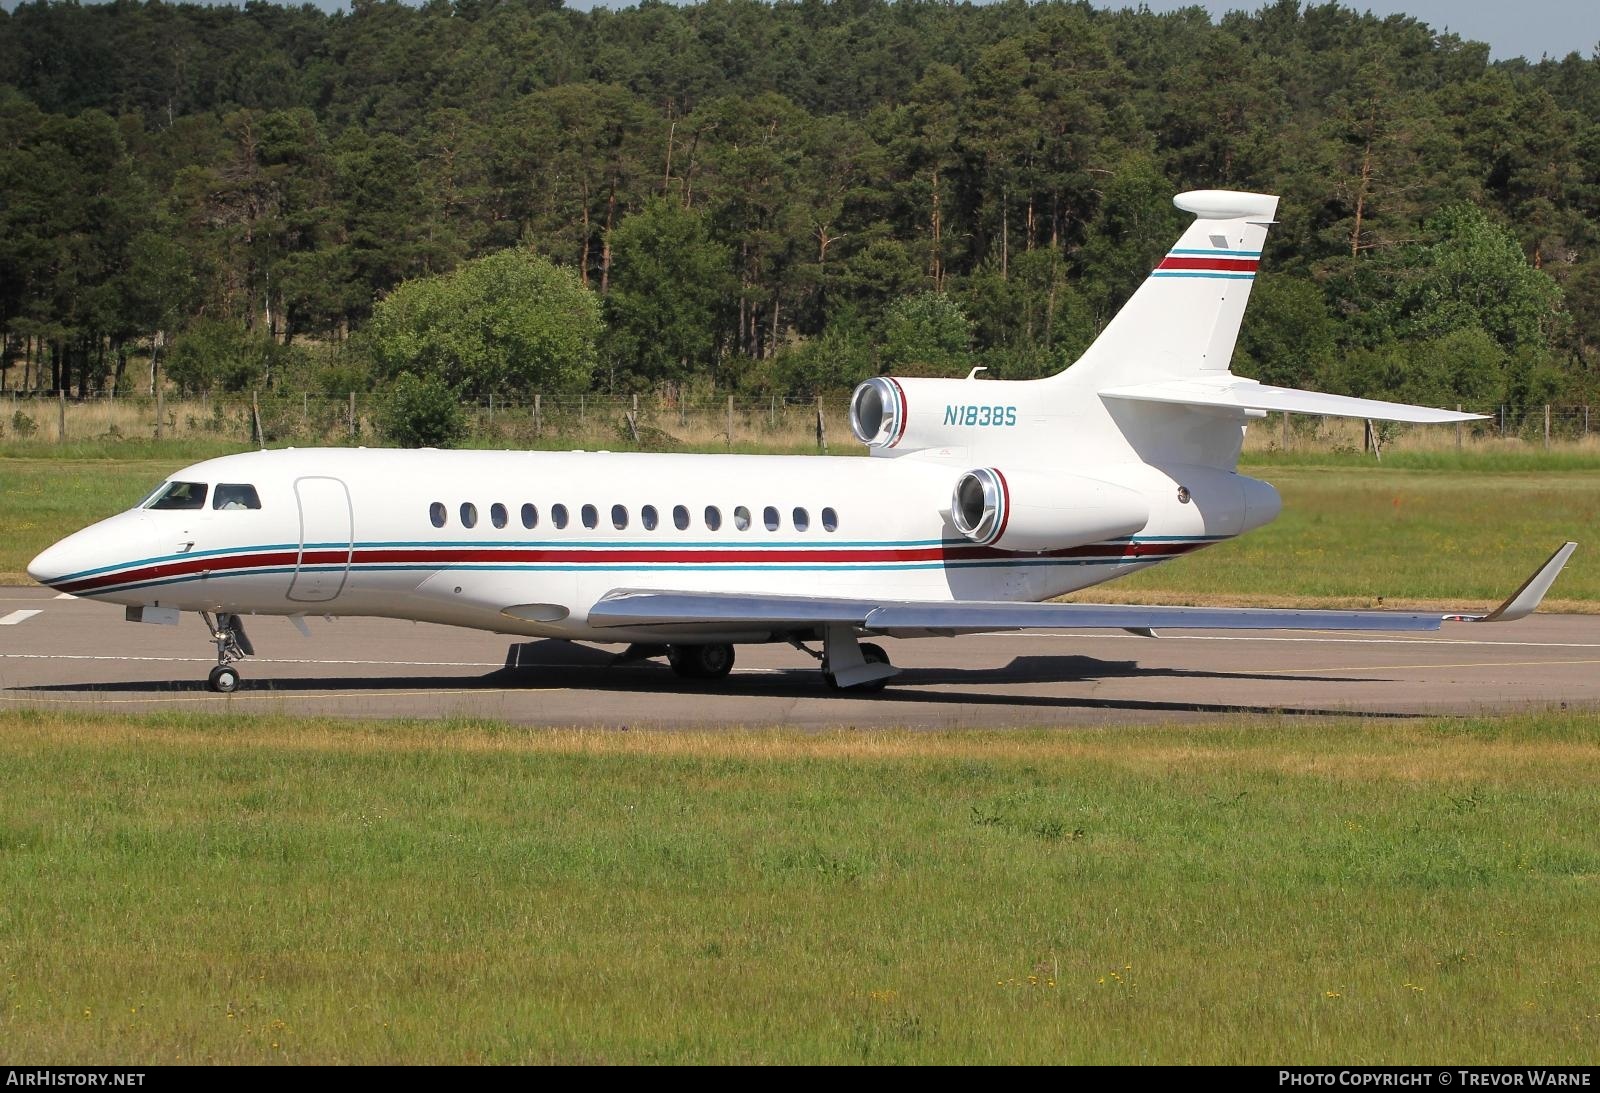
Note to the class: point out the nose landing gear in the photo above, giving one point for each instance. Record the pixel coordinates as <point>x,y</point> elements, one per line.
<point>227,633</point>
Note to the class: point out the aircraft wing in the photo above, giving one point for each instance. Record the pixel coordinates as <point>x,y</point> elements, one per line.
<point>635,608</point>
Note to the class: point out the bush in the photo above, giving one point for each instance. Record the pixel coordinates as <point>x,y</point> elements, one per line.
<point>422,413</point>
<point>510,322</point>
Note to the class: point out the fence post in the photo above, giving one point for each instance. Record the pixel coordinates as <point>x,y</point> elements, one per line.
<point>161,409</point>
<point>61,415</point>
<point>1586,423</point>
<point>352,415</point>
<point>772,414</point>
<point>491,407</point>
<point>538,416</point>
<point>730,421</point>
<point>305,412</point>
<point>583,410</point>
<point>1502,421</point>
<point>1547,425</point>
<point>822,429</point>
<point>1458,428</point>
<point>1284,442</point>
<point>255,420</point>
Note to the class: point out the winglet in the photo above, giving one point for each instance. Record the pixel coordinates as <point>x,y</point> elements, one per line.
<point>1524,600</point>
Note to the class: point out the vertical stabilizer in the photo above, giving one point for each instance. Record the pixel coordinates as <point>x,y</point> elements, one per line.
<point>1183,321</point>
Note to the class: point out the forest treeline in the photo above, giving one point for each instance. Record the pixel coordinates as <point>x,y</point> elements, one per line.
<point>504,195</point>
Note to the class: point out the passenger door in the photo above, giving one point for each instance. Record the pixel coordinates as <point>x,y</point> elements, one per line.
<point>327,527</point>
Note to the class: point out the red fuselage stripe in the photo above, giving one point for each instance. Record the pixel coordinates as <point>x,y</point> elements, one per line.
<point>443,557</point>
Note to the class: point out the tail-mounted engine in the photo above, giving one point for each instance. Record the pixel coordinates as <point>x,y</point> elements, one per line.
<point>1033,511</point>
<point>878,412</point>
<point>895,416</point>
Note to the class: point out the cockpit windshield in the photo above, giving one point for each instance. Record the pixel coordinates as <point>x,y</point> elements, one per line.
<point>235,495</point>
<point>178,495</point>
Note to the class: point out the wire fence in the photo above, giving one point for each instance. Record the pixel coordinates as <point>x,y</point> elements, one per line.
<point>668,423</point>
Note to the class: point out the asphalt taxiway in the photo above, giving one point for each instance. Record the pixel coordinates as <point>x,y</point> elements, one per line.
<point>58,652</point>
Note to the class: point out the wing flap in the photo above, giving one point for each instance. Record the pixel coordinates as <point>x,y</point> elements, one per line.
<point>1242,394</point>
<point>644,608</point>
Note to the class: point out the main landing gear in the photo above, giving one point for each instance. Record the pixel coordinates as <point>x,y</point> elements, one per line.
<point>848,664</point>
<point>701,661</point>
<point>227,633</point>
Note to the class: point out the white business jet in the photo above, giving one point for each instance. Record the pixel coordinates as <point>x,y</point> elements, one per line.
<point>985,498</point>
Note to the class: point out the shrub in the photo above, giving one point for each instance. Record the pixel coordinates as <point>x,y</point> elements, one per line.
<point>421,412</point>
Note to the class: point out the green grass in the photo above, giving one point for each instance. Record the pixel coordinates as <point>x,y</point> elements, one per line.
<point>184,889</point>
<point>1351,536</point>
<point>1479,460</point>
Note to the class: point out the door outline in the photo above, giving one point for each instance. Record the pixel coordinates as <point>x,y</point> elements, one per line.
<point>307,586</point>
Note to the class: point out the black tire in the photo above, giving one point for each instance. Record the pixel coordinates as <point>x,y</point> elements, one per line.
<point>223,679</point>
<point>701,661</point>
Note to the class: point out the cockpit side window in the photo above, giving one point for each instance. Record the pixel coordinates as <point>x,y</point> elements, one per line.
<point>231,495</point>
<point>179,495</point>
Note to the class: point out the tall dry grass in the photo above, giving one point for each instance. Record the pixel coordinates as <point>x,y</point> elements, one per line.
<point>664,423</point>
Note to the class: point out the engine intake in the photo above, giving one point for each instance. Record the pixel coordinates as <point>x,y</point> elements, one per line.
<point>1033,512</point>
<point>878,412</point>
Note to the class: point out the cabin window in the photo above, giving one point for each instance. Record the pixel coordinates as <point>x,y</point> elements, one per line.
<point>647,517</point>
<point>802,519</point>
<point>680,517</point>
<point>830,520</point>
<point>469,514</point>
<point>180,495</point>
<point>619,517</point>
<point>437,514</point>
<point>591,517</point>
<point>769,517</point>
<point>558,513</point>
<point>530,517</point>
<point>230,495</point>
<point>497,515</point>
<point>713,518</point>
<point>741,518</point>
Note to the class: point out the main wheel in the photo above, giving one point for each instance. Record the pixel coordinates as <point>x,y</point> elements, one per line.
<point>701,661</point>
<point>223,679</point>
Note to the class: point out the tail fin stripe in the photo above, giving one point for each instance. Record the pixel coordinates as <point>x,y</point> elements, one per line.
<point>1216,265</point>
<point>1195,273</point>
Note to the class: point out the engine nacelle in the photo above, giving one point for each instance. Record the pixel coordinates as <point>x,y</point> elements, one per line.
<point>891,416</point>
<point>878,412</point>
<point>1032,511</point>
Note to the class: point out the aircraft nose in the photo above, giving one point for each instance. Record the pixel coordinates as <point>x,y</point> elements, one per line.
<point>107,543</point>
<point>51,564</point>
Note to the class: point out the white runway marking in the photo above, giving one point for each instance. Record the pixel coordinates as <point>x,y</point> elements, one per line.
<point>16,617</point>
<point>1101,635</point>
<point>66,596</point>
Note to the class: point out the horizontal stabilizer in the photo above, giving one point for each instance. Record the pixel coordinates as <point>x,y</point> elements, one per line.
<point>1232,393</point>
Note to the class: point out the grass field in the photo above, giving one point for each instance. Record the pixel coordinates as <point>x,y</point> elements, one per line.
<point>1432,527</point>
<point>191,889</point>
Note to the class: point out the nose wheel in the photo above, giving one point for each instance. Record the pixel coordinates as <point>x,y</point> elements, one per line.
<point>227,634</point>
